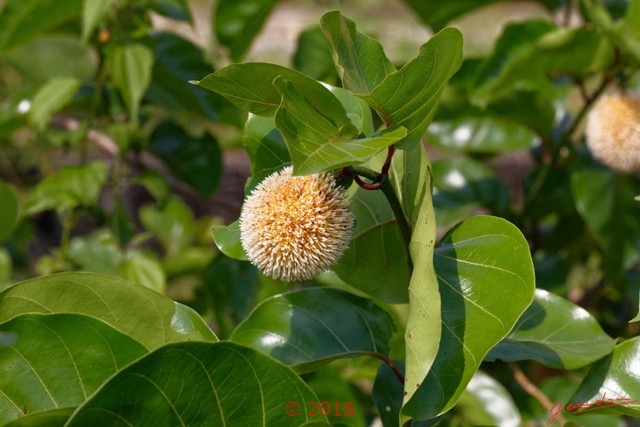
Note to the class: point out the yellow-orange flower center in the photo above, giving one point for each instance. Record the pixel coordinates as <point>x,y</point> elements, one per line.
<point>295,227</point>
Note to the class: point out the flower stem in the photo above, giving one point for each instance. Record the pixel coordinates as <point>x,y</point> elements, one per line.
<point>385,185</point>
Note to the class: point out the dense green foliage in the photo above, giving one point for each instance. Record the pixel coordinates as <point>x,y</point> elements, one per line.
<point>474,291</point>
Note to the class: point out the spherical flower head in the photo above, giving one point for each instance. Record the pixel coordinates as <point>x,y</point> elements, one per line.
<point>613,132</point>
<point>295,227</point>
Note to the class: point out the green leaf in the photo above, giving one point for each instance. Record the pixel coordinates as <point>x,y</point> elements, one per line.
<point>176,62</point>
<point>237,22</point>
<point>480,135</point>
<point>227,238</point>
<point>360,60</point>
<point>242,386</point>
<point>486,402</point>
<point>250,87</point>
<point>93,11</point>
<point>22,21</point>
<point>486,281</point>
<point>197,161</point>
<point>320,140</point>
<point>313,56</point>
<point>9,211</point>
<point>97,252</point>
<point>554,331</point>
<point>130,69</point>
<point>52,97</point>
<point>387,394</point>
<point>376,236</point>
<point>143,314</point>
<point>172,225</point>
<point>424,325</point>
<point>50,418</point>
<point>143,269</point>
<point>436,14</point>
<point>614,377</point>
<point>230,289</point>
<point>81,353</point>
<point>266,148</point>
<point>604,200</point>
<point>70,187</point>
<point>461,185</point>
<point>409,96</point>
<point>537,48</point>
<point>313,326</point>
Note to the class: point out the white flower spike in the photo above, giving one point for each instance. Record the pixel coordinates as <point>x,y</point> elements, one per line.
<point>295,227</point>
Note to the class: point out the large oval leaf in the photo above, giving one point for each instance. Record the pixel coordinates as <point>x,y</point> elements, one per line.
<point>554,332</point>
<point>486,280</point>
<point>195,383</point>
<point>409,96</point>
<point>615,380</point>
<point>312,326</point>
<point>250,87</point>
<point>143,314</point>
<point>50,418</point>
<point>58,360</point>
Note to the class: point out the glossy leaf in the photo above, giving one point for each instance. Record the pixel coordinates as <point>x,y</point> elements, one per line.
<point>486,281</point>
<point>360,60</point>
<point>533,49</point>
<point>22,21</point>
<point>480,135</point>
<point>313,326</point>
<point>462,185</point>
<point>322,140</point>
<point>604,200</point>
<point>69,187</point>
<point>424,324</point>
<point>250,87</point>
<point>9,211</point>
<point>93,11</point>
<point>554,332</point>
<point>197,161</point>
<point>144,315</point>
<point>176,61</point>
<point>81,353</point>
<point>235,385</point>
<point>614,379</point>
<point>486,402</point>
<point>409,96</point>
<point>227,238</point>
<point>237,22</point>
<point>56,94</point>
<point>375,236</point>
<point>175,9</point>
<point>130,69</point>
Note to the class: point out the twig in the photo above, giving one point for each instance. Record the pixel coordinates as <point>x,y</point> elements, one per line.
<point>533,391</point>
